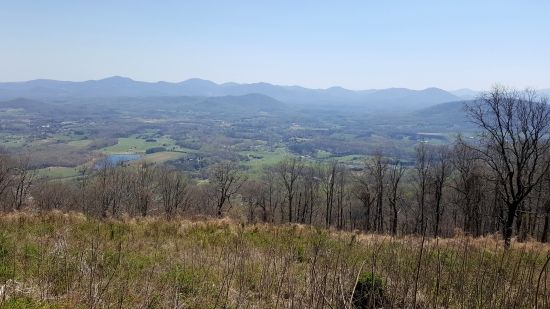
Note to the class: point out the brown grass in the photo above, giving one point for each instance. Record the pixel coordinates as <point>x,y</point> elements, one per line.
<point>67,260</point>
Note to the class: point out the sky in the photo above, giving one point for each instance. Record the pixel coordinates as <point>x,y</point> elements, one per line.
<point>316,44</point>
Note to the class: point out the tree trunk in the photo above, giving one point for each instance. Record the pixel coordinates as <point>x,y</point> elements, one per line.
<point>509,224</point>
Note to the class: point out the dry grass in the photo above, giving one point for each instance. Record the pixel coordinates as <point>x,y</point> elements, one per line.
<point>66,260</point>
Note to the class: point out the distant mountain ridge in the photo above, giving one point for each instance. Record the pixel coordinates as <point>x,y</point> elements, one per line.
<point>373,99</point>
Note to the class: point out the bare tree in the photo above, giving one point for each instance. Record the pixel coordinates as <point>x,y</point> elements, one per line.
<point>469,187</point>
<point>377,166</point>
<point>101,188</point>
<point>23,177</point>
<point>255,196</point>
<point>289,169</point>
<point>543,190</point>
<point>274,199</point>
<point>172,188</point>
<point>364,191</point>
<point>342,195</point>
<point>120,180</point>
<point>442,169</point>
<point>143,184</point>
<point>395,174</point>
<point>422,181</point>
<point>7,166</point>
<point>53,194</point>
<point>260,201</point>
<point>225,179</point>
<point>514,143</point>
<point>328,177</point>
<point>310,194</point>
<point>82,181</point>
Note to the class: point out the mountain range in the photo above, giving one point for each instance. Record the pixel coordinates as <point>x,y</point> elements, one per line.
<point>374,99</point>
<point>393,98</point>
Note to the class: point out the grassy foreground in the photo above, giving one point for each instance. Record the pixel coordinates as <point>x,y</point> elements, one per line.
<point>57,260</point>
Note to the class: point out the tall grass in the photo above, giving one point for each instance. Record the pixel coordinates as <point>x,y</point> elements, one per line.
<point>57,260</point>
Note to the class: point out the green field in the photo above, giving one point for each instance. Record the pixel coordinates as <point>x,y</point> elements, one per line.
<point>80,143</point>
<point>161,157</point>
<point>56,172</point>
<point>10,140</point>
<point>352,157</point>
<point>267,158</point>
<point>323,154</point>
<point>136,145</point>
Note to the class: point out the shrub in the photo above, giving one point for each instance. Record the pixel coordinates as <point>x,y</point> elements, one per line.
<point>155,149</point>
<point>369,291</point>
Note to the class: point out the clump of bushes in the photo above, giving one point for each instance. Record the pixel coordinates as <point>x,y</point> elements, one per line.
<point>155,149</point>
<point>369,291</point>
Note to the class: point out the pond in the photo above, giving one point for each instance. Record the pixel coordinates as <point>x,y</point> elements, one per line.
<point>114,159</point>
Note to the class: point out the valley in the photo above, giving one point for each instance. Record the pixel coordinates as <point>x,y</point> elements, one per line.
<point>182,131</point>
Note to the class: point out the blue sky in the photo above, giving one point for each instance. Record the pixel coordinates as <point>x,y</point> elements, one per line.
<point>316,44</point>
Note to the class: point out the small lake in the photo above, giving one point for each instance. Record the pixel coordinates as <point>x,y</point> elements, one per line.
<point>114,159</point>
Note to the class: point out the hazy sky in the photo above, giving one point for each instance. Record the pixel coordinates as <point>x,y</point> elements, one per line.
<point>316,44</point>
